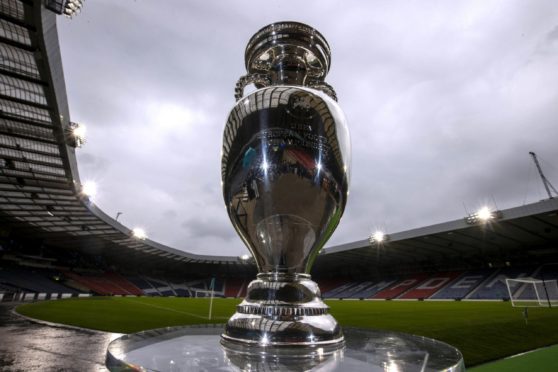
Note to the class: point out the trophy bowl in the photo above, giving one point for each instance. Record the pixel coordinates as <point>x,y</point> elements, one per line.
<point>285,176</point>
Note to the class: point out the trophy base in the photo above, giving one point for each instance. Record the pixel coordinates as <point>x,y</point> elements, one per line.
<point>296,350</point>
<point>196,348</point>
<point>283,313</point>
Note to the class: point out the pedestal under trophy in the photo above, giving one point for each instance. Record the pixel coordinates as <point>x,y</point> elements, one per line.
<point>285,175</point>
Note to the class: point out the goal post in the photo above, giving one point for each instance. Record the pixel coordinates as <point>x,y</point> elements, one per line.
<point>530,292</point>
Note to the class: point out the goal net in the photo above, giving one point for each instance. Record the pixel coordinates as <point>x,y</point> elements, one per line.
<point>529,292</point>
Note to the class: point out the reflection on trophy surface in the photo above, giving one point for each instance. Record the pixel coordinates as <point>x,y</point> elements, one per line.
<point>285,174</point>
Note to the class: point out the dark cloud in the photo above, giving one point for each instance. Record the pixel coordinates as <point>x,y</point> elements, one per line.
<point>553,35</point>
<point>201,229</point>
<point>444,102</point>
<point>170,214</point>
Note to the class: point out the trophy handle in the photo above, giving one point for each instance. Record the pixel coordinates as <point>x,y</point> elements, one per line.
<point>324,87</point>
<point>264,80</point>
<point>260,80</point>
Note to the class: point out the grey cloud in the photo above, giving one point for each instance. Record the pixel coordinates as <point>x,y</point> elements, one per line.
<point>553,35</point>
<point>170,214</point>
<point>443,101</point>
<point>200,229</point>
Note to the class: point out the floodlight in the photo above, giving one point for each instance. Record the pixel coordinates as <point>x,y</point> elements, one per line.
<point>245,257</point>
<point>79,131</point>
<point>72,7</point>
<point>76,134</point>
<point>89,189</point>
<point>377,237</point>
<point>483,215</point>
<point>139,233</point>
<point>265,165</point>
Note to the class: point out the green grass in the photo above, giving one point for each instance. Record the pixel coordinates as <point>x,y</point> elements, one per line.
<point>128,315</point>
<point>483,331</point>
<point>543,360</point>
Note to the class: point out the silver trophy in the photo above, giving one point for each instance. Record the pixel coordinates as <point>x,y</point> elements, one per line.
<point>285,175</point>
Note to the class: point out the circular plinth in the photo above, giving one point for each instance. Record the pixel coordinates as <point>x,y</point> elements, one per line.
<point>197,348</point>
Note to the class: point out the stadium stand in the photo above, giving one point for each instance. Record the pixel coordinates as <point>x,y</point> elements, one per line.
<point>353,291</point>
<point>123,283</point>
<point>19,279</point>
<point>105,283</point>
<point>327,285</point>
<point>235,288</point>
<point>547,272</point>
<point>399,288</point>
<point>494,287</point>
<point>370,291</point>
<point>338,291</point>
<point>463,285</point>
<point>139,282</point>
<point>159,287</point>
<point>430,286</point>
<point>202,288</point>
<point>362,290</point>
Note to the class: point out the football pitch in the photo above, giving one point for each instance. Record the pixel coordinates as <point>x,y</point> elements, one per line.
<point>483,331</point>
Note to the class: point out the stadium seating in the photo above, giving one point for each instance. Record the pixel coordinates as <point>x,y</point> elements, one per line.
<point>355,290</point>
<point>123,283</point>
<point>327,285</point>
<point>139,282</point>
<point>19,279</point>
<point>105,284</point>
<point>235,287</point>
<point>400,287</point>
<point>159,287</point>
<point>371,290</point>
<point>25,283</point>
<point>495,287</point>
<point>338,291</point>
<point>430,286</point>
<point>547,272</point>
<point>461,286</point>
<point>362,290</point>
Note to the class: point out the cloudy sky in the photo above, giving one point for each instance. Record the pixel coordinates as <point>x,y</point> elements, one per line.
<point>444,101</point>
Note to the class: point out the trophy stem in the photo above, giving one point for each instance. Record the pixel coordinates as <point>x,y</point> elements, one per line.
<point>283,310</point>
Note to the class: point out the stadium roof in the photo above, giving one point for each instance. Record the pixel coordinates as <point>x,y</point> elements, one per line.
<point>40,189</point>
<point>513,236</point>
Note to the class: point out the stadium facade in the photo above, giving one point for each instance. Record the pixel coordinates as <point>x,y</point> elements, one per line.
<point>55,240</point>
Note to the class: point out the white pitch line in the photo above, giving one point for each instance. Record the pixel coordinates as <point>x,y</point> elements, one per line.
<point>176,311</point>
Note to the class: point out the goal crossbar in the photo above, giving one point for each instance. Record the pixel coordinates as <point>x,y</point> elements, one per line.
<point>531,292</point>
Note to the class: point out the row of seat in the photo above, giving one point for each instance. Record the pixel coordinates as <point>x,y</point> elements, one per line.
<point>484,284</point>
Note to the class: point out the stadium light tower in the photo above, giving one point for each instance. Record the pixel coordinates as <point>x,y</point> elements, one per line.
<point>139,233</point>
<point>75,135</point>
<point>483,215</point>
<point>89,189</point>
<point>69,8</point>
<point>377,237</point>
<point>72,7</point>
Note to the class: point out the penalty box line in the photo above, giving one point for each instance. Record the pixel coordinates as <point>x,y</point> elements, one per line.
<point>177,311</point>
